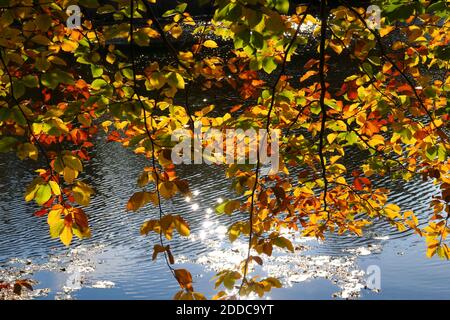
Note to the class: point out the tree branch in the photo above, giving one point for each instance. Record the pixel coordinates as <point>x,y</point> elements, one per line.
<point>323,107</point>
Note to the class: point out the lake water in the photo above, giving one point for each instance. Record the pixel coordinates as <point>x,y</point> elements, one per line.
<point>116,262</point>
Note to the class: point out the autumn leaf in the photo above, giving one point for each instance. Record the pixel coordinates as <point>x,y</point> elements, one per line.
<point>181,226</point>
<point>66,235</point>
<point>184,278</point>
<point>140,199</point>
<point>210,44</point>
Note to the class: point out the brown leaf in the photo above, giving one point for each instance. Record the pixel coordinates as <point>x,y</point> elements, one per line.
<point>184,278</point>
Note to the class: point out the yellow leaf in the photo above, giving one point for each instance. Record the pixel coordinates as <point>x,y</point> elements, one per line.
<point>164,157</point>
<point>392,211</point>
<point>54,216</point>
<point>82,193</point>
<point>56,228</point>
<point>27,150</point>
<point>69,175</point>
<point>182,226</point>
<point>336,46</point>
<point>151,225</point>
<point>176,31</point>
<point>332,136</point>
<point>32,188</point>
<point>282,242</point>
<point>210,44</point>
<point>55,188</point>
<point>69,45</point>
<point>398,45</point>
<point>140,199</point>
<point>186,56</point>
<point>106,124</point>
<point>432,248</point>
<point>176,80</point>
<point>66,235</point>
<point>386,30</point>
<point>43,194</point>
<point>110,58</point>
<point>167,189</point>
<point>72,162</point>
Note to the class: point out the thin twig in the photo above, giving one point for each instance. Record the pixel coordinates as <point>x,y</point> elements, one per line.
<point>258,160</point>
<point>147,130</point>
<point>323,107</point>
<point>283,66</point>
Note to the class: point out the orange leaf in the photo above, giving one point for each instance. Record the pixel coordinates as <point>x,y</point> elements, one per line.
<point>308,74</point>
<point>184,278</point>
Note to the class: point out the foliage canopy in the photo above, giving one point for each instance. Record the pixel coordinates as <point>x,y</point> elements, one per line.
<point>60,86</point>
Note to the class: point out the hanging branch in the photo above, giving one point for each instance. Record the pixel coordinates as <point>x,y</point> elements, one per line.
<point>147,130</point>
<point>283,66</point>
<point>299,113</point>
<point>258,160</point>
<point>323,107</point>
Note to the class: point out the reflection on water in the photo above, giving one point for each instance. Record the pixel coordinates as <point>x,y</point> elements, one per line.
<point>116,261</point>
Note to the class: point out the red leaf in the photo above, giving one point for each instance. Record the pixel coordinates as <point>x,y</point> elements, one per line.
<point>41,212</point>
<point>360,182</point>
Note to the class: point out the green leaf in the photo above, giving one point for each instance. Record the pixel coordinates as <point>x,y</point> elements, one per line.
<point>282,6</point>
<point>128,73</point>
<point>269,64</point>
<point>5,113</point>
<point>176,80</point>
<point>181,7</point>
<point>7,144</point>
<point>443,52</point>
<point>54,78</point>
<point>431,153</point>
<point>351,138</point>
<point>282,242</point>
<point>19,89</point>
<point>30,81</point>
<point>257,40</point>
<point>96,71</point>
<point>107,8</point>
<point>228,207</point>
<point>439,8</point>
<point>97,84</point>
<point>43,194</point>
